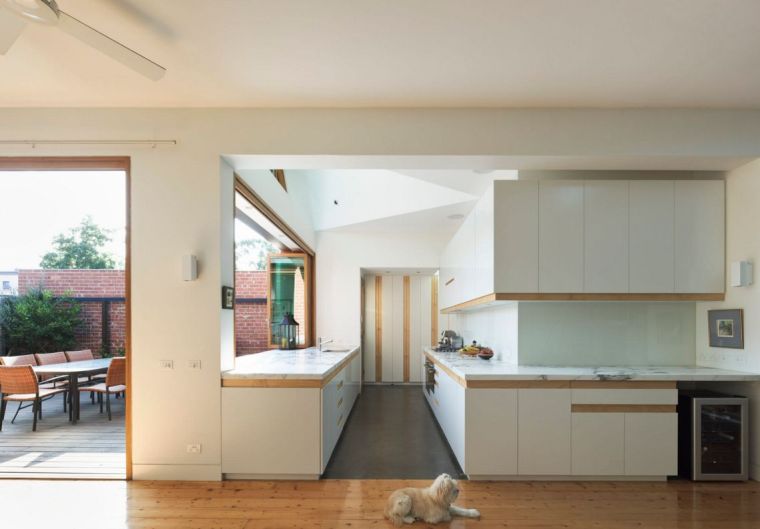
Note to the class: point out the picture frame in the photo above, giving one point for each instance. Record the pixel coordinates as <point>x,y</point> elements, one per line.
<point>228,298</point>
<point>726,328</point>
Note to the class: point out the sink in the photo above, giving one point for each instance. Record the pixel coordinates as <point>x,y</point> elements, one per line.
<point>335,350</point>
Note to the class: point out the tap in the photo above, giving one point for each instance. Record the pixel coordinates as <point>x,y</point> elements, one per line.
<point>321,342</point>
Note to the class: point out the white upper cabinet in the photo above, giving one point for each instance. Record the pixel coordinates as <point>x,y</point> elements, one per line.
<point>516,236</point>
<point>483,280</point>
<point>560,236</point>
<point>699,236</point>
<point>651,244</point>
<point>605,236</point>
<point>589,237</point>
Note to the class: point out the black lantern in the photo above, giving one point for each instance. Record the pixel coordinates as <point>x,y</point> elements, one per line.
<point>288,332</point>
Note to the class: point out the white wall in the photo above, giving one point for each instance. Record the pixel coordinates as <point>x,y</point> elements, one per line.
<point>742,243</point>
<point>177,209</point>
<point>340,258</point>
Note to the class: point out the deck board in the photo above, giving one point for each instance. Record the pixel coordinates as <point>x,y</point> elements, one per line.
<point>92,448</point>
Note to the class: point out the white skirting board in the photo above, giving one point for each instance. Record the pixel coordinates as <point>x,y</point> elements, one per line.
<point>177,472</point>
<point>565,478</point>
<point>271,477</point>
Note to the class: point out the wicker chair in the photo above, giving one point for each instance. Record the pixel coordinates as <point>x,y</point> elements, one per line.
<point>20,360</point>
<point>116,380</point>
<point>19,384</point>
<point>78,356</point>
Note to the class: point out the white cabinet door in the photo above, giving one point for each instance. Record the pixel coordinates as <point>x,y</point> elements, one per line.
<point>605,236</point>
<point>450,397</point>
<point>598,444</point>
<point>446,274</point>
<point>651,259</point>
<point>699,236</point>
<point>491,432</point>
<point>483,259</point>
<point>463,257</point>
<point>651,444</point>
<point>273,431</point>
<point>516,236</point>
<point>544,436</point>
<point>560,237</point>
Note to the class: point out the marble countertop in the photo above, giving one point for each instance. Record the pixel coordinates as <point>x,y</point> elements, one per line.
<point>474,368</point>
<point>290,364</point>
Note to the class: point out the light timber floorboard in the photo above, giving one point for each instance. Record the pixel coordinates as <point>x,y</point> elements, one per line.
<point>359,504</point>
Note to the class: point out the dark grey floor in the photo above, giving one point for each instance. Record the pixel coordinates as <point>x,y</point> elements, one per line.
<point>391,433</point>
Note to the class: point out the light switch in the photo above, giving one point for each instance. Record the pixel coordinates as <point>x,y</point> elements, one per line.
<point>194,364</point>
<point>166,364</point>
<point>194,449</point>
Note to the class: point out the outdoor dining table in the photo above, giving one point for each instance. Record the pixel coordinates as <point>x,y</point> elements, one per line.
<point>74,370</point>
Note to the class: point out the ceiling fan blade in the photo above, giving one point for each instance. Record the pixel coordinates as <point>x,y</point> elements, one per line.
<point>11,27</point>
<point>110,47</point>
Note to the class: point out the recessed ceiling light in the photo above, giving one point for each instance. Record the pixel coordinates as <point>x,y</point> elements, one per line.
<point>335,202</point>
<point>455,216</point>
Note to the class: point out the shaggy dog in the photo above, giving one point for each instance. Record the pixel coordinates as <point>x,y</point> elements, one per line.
<point>432,504</point>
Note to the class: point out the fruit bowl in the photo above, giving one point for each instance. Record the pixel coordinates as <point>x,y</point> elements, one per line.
<point>485,353</point>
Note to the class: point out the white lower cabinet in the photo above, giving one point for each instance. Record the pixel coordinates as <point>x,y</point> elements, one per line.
<point>651,444</point>
<point>271,432</point>
<point>544,432</point>
<point>288,433</point>
<point>491,432</point>
<point>450,397</point>
<point>598,444</point>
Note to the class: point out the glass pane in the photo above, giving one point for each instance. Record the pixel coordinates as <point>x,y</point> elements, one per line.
<point>721,438</point>
<point>287,295</point>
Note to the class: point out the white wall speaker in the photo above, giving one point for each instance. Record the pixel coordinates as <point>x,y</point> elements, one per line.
<point>189,268</point>
<point>741,273</point>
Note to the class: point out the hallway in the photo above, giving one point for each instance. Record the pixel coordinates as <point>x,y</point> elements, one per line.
<point>391,434</point>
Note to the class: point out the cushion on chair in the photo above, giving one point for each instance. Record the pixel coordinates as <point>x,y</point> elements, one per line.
<point>44,392</point>
<point>101,388</point>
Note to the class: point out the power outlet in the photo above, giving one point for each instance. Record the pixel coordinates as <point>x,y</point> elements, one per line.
<point>194,449</point>
<point>194,364</point>
<point>166,364</point>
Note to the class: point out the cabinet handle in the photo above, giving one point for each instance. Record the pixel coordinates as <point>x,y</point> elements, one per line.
<point>340,402</point>
<point>340,385</point>
<point>340,419</point>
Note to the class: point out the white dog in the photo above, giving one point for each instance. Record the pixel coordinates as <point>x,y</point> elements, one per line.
<point>432,504</point>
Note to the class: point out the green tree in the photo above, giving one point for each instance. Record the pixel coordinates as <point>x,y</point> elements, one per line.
<point>251,254</point>
<point>81,248</point>
<point>39,322</point>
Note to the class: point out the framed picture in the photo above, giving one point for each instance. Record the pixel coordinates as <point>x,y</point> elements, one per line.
<point>228,298</point>
<point>726,328</point>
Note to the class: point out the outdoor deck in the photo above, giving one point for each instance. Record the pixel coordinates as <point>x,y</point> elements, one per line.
<point>92,448</point>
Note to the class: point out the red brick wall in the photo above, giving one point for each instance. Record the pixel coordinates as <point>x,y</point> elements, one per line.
<point>251,333</point>
<point>86,284</point>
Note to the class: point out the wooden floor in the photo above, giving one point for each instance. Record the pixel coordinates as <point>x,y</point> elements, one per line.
<point>358,504</point>
<point>94,447</point>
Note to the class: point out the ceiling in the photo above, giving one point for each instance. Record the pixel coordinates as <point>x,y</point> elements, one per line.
<point>422,53</point>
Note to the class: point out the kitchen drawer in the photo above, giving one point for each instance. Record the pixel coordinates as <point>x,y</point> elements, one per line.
<point>624,396</point>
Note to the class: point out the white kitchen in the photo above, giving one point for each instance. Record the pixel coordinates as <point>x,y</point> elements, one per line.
<point>540,324</point>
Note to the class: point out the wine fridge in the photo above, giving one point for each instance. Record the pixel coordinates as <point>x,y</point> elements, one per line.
<point>713,436</point>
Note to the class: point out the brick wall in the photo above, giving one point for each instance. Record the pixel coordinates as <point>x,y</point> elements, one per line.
<point>87,284</point>
<point>251,333</point>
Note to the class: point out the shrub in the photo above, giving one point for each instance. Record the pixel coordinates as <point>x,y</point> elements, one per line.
<point>39,322</point>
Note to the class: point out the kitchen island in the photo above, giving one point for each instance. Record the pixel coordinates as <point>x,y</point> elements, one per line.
<point>283,411</point>
<point>505,421</point>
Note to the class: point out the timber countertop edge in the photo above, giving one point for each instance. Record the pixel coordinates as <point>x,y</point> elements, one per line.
<point>299,367</point>
<point>474,368</point>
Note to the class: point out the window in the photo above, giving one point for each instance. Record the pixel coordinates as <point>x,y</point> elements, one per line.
<point>6,285</point>
<point>273,278</point>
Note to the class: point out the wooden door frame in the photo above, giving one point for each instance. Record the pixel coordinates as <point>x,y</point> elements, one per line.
<point>98,163</point>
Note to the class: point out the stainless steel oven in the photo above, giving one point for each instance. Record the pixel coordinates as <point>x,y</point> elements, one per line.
<point>714,434</point>
<point>429,377</point>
